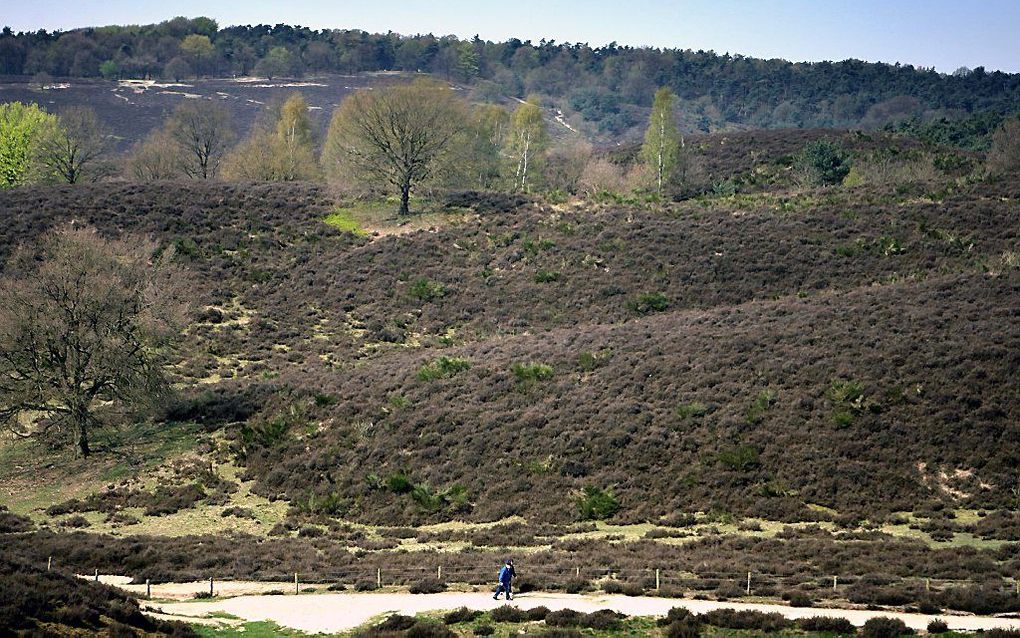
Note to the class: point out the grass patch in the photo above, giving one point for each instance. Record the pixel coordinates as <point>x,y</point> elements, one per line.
<point>343,220</point>
<point>442,368</point>
<point>265,629</point>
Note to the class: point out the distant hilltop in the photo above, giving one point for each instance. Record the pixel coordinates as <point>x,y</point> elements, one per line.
<point>610,87</point>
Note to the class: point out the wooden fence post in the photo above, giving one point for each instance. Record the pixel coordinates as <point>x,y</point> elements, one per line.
<point>49,563</point>
<point>97,574</point>
<point>296,590</point>
<point>834,579</point>
<point>378,577</point>
<point>577,572</point>
<point>211,586</point>
<point>656,579</point>
<point>439,572</point>
<point>927,584</point>
<point>148,588</point>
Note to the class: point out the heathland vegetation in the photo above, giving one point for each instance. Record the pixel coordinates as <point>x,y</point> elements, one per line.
<point>447,326</point>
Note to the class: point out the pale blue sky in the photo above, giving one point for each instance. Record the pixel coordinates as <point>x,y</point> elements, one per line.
<point>940,33</point>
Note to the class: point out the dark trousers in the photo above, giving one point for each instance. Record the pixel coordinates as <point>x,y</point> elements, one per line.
<point>504,587</point>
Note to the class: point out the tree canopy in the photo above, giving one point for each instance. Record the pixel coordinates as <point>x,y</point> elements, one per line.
<point>85,323</point>
<point>398,135</point>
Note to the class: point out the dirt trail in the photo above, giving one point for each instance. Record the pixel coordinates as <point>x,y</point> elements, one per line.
<point>330,613</point>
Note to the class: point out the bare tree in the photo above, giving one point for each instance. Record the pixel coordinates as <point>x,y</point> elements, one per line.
<point>76,145</point>
<point>202,131</point>
<point>400,135</point>
<point>85,323</point>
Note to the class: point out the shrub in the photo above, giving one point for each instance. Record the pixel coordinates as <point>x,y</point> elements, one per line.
<point>530,373</point>
<point>740,458</point>
<point>602,620</point>
<point>461,615</point>
<point>756,620</point>
<point>823,162</point>
<point>484,630</point>
<point>337,587</point>
<point>536,614</point>
<point>612,587</point>
<point>366,585</point>
<point>693,409</point>
<point>884,627</point>
<point>686,628</point>
<point>397,622</point>
<point>443,368</point>
<point>399,483</point>
<point>239,512</point>
<point>546,276</point>
<point>648,302</point>
<point>938,627</point>
<point>426,290</point>
<point>11,523</point>
<point>310,531</point>
<point>755,413</point>
<point>827,624</point>
<point>675,614</point>
<point>507,613</point>
<point>800,599</point>
<point>597,504</point>
<point>428,586</point>
<point>576,585</point>
<point>76,521</point>
<point>564,618</point>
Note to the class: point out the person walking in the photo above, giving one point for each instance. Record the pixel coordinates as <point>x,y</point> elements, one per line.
<point>506,576</point>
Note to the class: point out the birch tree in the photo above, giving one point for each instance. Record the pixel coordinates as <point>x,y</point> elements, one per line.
<point>661,150</point>
<point>527,142</point>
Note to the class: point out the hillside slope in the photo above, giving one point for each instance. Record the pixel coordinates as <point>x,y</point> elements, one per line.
<point>789,355</point>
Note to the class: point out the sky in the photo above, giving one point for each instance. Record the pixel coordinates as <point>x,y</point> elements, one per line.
<point>943,34</point>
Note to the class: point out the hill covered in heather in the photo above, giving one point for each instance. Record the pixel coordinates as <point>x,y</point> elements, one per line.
<point>789,354</point>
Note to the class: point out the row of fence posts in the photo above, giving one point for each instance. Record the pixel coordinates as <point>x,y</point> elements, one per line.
<point>439,575</point>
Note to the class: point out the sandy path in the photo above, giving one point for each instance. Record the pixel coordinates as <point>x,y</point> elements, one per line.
<point>329,613</point>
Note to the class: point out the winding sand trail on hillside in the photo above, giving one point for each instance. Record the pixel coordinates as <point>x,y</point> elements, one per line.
<point>336,612</point>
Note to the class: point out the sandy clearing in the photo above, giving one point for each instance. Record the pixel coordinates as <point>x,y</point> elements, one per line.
<point>330,613</point>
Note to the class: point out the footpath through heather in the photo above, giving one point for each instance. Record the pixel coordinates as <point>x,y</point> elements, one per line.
<point>335,612</point>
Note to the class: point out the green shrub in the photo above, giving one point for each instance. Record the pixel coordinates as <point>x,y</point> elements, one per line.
<point>426,290</point>
<point>739,458</point>
<point>427,499</point>
<point>531,373</point>
<point>938,627</point>
<point>589,361</point>
<point>443,368</point>
<point>756,411</point>
<point>692,409</point>
<point>597,504</point>
<point>648,302</point>
<point>823,162</point>
<point>399,483</point>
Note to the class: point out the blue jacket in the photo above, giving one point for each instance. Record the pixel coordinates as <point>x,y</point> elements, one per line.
<point>506,574</point>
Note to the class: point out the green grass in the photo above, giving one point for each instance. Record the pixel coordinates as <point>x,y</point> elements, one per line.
<point>343,220</point>
<point>248,630</point>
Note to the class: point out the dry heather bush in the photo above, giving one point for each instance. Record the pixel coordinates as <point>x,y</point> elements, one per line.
<point>602,176</point>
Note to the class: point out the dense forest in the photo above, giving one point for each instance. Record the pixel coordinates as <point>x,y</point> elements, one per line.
<point>609,85</point>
